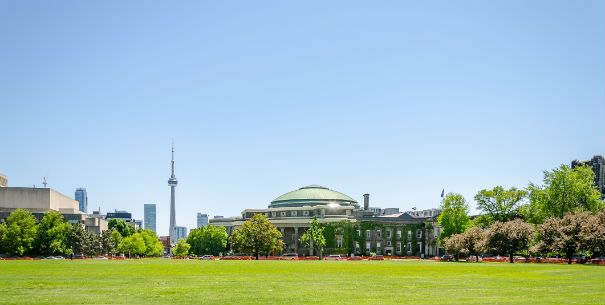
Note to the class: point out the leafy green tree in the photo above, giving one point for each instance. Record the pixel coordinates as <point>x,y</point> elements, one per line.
<point>116,240</point>
<point>109,244</point>
<point>208,240</point>
<point>18,233</point>
<point>133,245</point>
<point>314,237</point>
<point>84,242</point>
<point>509,237</point>
<point>182,248</point>
<point>499,203</point>
<point>565,190</point>
<point>53,235</point>
<point>121,226</point>
<point>153,245</point>
<point>257,235</point>
<point>454,215</point>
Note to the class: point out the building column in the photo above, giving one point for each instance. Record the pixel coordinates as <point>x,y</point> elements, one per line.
<point>296,239</point>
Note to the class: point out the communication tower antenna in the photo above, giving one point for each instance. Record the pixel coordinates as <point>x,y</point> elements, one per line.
<point>44,182</point>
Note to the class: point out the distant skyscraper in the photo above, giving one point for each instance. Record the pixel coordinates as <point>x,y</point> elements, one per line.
<point>202,220</point>
<point>180,232</point>
<point>172,182</point>
<point>82,198</point>
<point>149,216</point>
<point>598,167</point>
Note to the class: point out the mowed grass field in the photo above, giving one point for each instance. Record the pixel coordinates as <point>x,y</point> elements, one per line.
<point>164,281</point>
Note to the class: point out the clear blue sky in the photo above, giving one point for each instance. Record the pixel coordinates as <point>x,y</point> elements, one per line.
<point>396,99</point>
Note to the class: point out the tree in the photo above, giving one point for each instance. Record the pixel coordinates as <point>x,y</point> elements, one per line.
<point>84,242</point>
<point>593,234</point>
<point>509,237</point>
<point>454,215</point>
<point>500,204</point>
<point>562,235</point>
<point>182,248</point>
<point>133,245</point>
<point>108,244</point>
<point>116,239</point>
<point>471,242</point>
<point>121,226</point>
<point>256,236</point>
<point>153,245</point>
<point>314,237</point>
<point>53,235</point>
<point>565,190</point>
<point>453,244</point>
<point>18,232</point>
<point>208,240</point>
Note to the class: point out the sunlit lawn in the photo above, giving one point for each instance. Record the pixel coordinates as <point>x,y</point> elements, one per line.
<point>164,281</point>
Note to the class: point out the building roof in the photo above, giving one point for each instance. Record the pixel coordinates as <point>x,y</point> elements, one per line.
<point>312,195</point>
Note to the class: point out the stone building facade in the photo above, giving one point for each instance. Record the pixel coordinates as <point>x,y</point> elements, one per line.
<point>349,228</point>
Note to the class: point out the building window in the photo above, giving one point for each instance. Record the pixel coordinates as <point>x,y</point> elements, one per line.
<point>389,243</point>
<point>282,214</point>
<point>368,234</point>
<point>388,234</point>
<point>273,214</point>
<point>356,247</point>
<point>367,247</point>
<point>419,234</point>
<point>409,235</point>
<point>379,233</point>
<point>359,233</point>
<point>305,213</point>
<point>294,213</point>
<point>378,248</point>
<point>398,247</point>
<point>409,247</point>
<point>339,241</point>
<point>398,234</point>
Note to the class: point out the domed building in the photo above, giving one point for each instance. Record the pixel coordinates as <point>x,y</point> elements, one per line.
<point>312,195</point>
<point>389,234</point>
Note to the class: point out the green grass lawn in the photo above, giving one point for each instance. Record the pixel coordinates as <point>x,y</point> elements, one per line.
<point>163,281</point>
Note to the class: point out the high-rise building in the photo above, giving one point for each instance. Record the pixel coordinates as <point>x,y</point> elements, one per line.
<point>149,216</point>
<point>82,197</point>
<point>180,232</point>
<point>598,167</point>
<point>123,215</point>
<point>172,182</point>
<point>202,220</point>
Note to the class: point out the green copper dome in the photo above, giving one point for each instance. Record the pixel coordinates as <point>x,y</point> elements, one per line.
<point>312,195</point>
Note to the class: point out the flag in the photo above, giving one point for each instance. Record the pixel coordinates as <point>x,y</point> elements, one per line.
<point>442,193</point>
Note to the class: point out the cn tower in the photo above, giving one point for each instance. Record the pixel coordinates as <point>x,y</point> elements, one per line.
<point>172,182</point>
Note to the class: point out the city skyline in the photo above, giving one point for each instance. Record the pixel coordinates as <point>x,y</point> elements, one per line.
<point>398,100</point>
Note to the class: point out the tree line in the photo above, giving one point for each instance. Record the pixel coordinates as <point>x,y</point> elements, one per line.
<point>20,235</point>
<point>563,216</point>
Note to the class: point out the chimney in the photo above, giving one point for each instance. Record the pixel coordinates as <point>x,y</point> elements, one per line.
<point>366,201</point>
